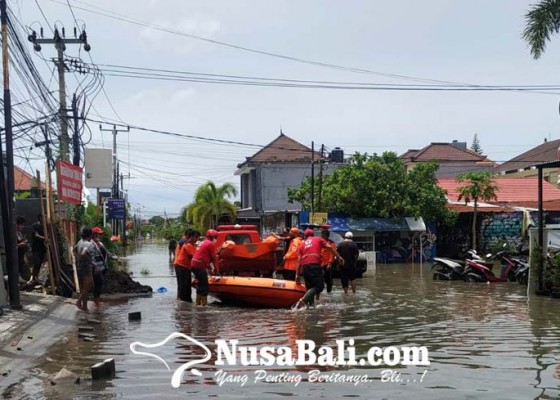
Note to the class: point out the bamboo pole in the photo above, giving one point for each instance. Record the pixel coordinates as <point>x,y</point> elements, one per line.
<point>45,233</point>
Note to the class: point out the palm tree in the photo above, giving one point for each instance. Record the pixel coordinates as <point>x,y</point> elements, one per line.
<point>210,202</point>
<point>542,20</point>
<point>479,186</point>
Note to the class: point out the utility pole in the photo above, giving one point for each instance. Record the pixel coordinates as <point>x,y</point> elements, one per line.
<point>124,219</point>
<point>115,191</point>
<point>319,205</point>
<point>76,136</point>
<point>60,45</point>
<point>8,211</point>
<point>312,180</point>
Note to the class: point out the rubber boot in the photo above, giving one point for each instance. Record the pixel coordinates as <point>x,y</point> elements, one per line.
<point>198,297</point>
<point>309,297</point>
<point>203,300</point>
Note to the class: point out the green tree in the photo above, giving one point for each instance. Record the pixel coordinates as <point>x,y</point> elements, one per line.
<point>475,146</point>
<point>379,186</point>
<point>543,19</point>
<point>478,187</point>
<point>210,203</point>
<point>157,221</point>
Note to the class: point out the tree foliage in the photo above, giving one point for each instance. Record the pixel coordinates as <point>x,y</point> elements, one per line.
<point>543,19</point>
<point>379,186</point>
<point>478,187</point>
<point>210,203</point>
<point>475,146</point>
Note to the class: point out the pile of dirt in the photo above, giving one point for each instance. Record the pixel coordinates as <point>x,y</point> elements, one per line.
<point>115,282</point>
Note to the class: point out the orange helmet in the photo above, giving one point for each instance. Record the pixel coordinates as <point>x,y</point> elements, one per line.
<point>211,233</point>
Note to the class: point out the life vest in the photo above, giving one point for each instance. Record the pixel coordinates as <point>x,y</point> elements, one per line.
<point>291,257</point>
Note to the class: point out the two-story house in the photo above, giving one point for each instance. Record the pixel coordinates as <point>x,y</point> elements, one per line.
<point>266,176</point>
<point>453,158</point>
<point>522,166</point>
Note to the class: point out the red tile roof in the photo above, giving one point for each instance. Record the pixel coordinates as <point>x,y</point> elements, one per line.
<point>442,152</point>
<point>545,152</point>
<point>283,149</point>
<point>462,208</point>
<point>24,181</point>
<point>510,190</point>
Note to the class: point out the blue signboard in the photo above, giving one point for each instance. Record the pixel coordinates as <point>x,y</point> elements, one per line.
<point>116,208</point>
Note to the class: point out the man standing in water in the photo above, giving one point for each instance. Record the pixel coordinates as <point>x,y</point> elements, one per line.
<point>291,256</point>
<point>172,247</point>
<point>38,248</point>
<point>349,252</point>
<point>85,252</point>
<point>309,263</point>
<point>100,263</point>
<point>327,261</point>
<point>204,256</point>
<point>183,266</point>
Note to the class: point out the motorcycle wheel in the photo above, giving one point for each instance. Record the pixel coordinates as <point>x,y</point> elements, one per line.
<point>474,277</point>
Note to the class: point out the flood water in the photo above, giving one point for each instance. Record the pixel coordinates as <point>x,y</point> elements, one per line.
<point>484,342</point>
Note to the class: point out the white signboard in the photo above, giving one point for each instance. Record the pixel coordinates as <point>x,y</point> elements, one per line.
<point>99,168</point>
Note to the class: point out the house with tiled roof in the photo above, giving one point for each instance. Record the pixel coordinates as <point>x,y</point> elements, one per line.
<point>523,165</point>
<point>24,181</point>
<point>500,219</point>
<point>266,176</point>
<point>453,158</point>
<point>511,193</point>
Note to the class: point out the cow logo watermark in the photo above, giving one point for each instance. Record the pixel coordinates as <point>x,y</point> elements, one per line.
<point>178,374</point>
<point>305,353</point>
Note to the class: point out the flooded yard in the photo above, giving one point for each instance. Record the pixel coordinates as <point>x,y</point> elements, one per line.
<point>485,341</point>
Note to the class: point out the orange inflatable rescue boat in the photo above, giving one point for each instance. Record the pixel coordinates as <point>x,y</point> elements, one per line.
<point>256,292</point>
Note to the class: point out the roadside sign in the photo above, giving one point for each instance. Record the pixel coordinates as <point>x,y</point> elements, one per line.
<point>318,218</point>
<point>116,208</point>
<point>69,179</point>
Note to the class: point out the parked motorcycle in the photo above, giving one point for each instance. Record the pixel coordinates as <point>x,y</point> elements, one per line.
<point>447,269</point>
<point>478,270</point>
<point>522,274</point>
<point>513,268</point>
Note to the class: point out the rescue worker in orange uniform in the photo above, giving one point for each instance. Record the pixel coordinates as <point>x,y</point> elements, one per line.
<point>183,268</point>
<point>183,264</point>
<point>205,258</point>
<point>327,261</point>
<point>291,256</point>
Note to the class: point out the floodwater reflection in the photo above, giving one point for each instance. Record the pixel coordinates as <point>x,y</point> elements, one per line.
<point>484,341</point>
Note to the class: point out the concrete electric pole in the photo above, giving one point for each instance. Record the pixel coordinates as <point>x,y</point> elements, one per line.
<point>60,43</point>
<point>8,210</point>
<point>115,191</point>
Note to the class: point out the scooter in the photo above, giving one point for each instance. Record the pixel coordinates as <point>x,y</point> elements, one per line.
<point>481,271</point>
<point>446,269</point>
<point>510,266</point>
<point>522,274</point>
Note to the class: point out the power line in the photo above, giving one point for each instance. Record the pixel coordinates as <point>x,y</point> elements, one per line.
<point>180,134</point>
<point>195,77</point>
<point>123,18</point>
<point>199,75</point>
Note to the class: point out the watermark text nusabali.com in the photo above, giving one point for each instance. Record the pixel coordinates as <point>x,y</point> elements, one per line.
<point>304,353</point>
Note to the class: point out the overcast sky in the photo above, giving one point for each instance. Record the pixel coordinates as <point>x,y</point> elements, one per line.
<point>474,42</point>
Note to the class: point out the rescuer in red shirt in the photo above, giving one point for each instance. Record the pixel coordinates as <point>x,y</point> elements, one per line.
<point>203,258</point>
<point>309,263</point>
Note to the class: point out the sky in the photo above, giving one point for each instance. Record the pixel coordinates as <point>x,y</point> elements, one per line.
<point>475,42</point>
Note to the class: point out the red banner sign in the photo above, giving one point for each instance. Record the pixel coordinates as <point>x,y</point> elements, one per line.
<point>69,182</point>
